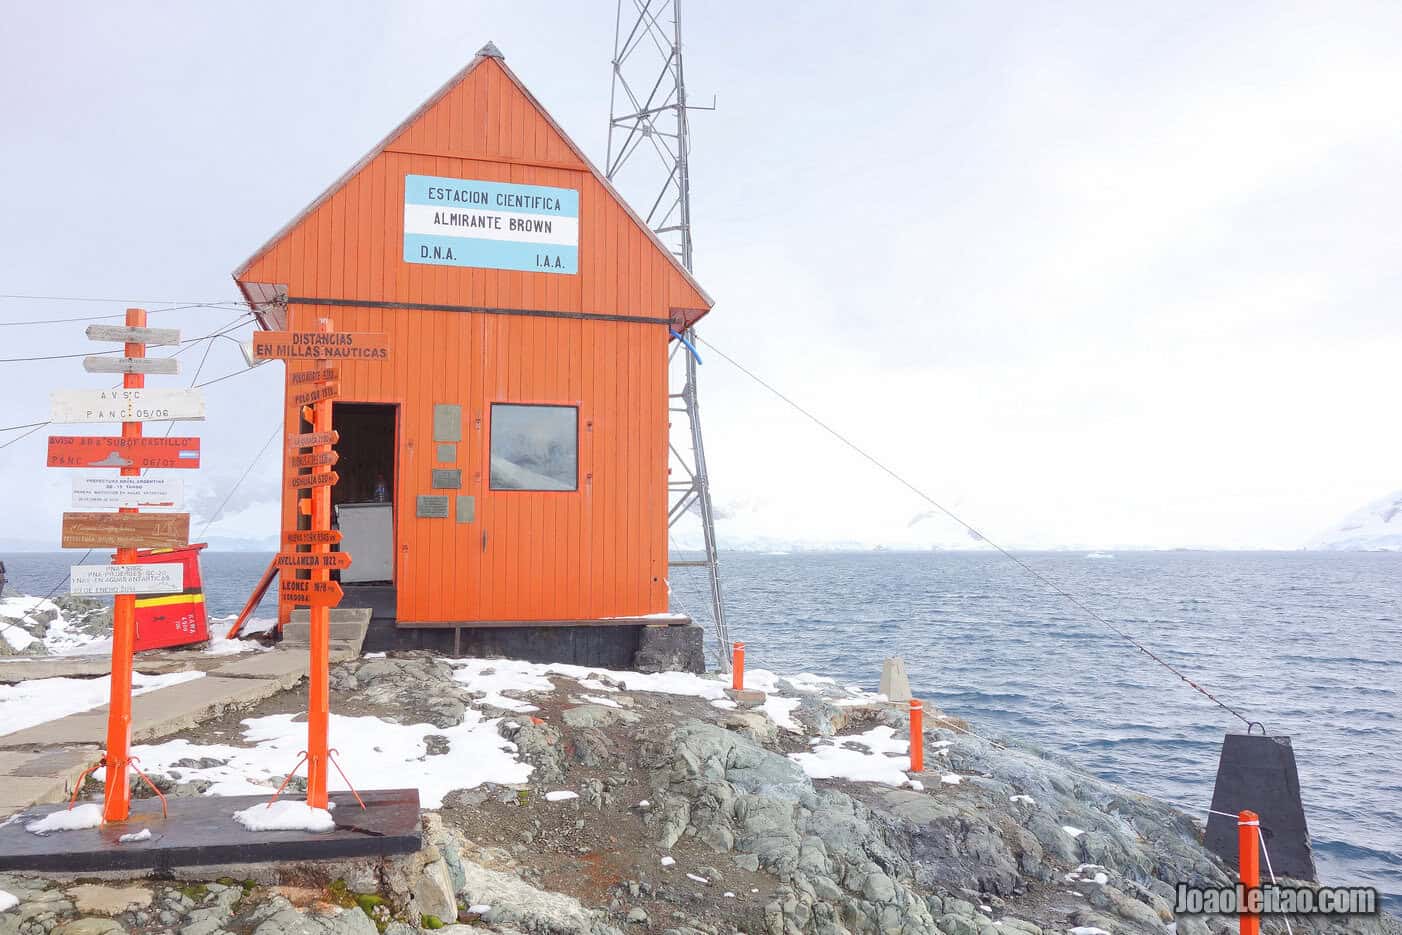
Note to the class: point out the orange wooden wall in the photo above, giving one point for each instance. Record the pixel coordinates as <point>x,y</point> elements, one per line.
<point>597,552</point>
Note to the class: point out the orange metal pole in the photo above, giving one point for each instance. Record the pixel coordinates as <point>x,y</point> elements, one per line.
<point>1249,865</point>
<point>319,675</point>
<point>737,666</point>
<point>917,736</point>
<point>116,801</point>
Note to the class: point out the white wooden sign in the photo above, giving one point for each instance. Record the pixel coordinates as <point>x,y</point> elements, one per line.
<point>124,405</point>
<point>98,580</point>
<point>164,365</point>
<point>116,493</point>
<point>124,334</point>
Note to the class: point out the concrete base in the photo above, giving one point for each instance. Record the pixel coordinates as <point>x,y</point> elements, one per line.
<point>348,627</point>
<point>671,649</point>
<point>611,646</point>
<point>201,830</point>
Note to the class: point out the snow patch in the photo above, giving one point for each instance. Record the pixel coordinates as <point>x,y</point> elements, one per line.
<point>561,795</point>
<point>1073,830</point>
<point>8,901</point>
<point>668,861</point>
<point>143,835</point>
<point>606,702</point>
<point>951,779</point>
<point>692,876</point>
<point>884,760</point>
<point>285,815</point>
<point>1024,799</point>
<point>87,815</point>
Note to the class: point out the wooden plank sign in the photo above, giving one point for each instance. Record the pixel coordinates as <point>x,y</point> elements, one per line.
<point>307,397</point>
<point>165,365</point>
<point>321,345</point>
<point>97,580</point>
<point>309,439</point>
<point>116,493</point>
<point>125,530</point>
<point>82,451</point>
<point>123,334</point>
<point>315,459</point>
<point>292,537</point>
<point>312,560</point>
<point>315,593</point>
<point>323,375</point>
<point>126,405</point>
<point>303,481</point>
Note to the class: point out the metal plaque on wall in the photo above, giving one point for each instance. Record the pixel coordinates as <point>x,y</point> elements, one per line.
<point>447,423</point>
<point>467,509</point>
<point>431,507</point>
<point>448,453</point>
<point>446,479</point>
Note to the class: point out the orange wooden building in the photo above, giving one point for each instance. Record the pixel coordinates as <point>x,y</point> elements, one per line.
<point>508,462</point>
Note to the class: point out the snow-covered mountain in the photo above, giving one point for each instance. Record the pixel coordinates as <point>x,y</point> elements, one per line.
<point>1377,526</point>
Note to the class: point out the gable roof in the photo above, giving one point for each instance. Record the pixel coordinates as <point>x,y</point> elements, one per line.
<point>488,51</point>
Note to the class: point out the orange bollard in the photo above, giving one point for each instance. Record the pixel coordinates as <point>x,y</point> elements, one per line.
<point>917,736</point>
<point>1249,866</point>
<point>319,674</point>
<point>737,666</point>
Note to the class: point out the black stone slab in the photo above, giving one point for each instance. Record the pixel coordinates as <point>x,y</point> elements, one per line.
<point>201,831</point>
<point>1258,772</point>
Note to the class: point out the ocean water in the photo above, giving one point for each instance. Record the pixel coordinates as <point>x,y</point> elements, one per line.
<point>1310,644</point>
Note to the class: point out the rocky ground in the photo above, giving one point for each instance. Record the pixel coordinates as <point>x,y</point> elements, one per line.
<point>691,815</point>
<point>32,626</point>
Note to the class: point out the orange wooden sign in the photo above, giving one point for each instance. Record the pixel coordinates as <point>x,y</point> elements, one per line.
<point>80,451</point>
<point>303,481</point>
<point>315,593</point>
<point>308,439</point>
<point>312,560</point>
<point>323,375</point>
<point>307,397</point>
<point>125,530</point>
<point>321,345</point>
<point>311,536</point>
<point>315,459</point>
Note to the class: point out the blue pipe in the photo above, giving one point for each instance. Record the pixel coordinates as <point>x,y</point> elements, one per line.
<point>687,344</point>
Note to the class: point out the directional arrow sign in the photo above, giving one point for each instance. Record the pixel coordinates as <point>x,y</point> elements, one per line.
<point>303,481</point>
<point>306,397</point>
<point>315,593</point>
<point>308,439</point>
<point>321,345</point>
<point>124,405</point>
<point>116,493</point>
<point>126,335</point>
<point>311,559</point>
<point>316,459</point>
<point>96,580</point>
<point>166,365</point>
<point>311,537</point>
<point>80,451</point>
<point>125,530</point>
<point>324,375</point>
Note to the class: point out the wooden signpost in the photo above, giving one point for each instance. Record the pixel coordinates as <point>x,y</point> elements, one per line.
<point>166,365</point>
<point>77,451</point>
<point>120,530</point>
<point>323,346</point>
<point>128,529</point>
<point>128,404</point>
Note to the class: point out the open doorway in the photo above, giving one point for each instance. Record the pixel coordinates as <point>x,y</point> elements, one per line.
<point>363,499</point>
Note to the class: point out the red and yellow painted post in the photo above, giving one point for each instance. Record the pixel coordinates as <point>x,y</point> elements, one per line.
<point>737,666</point>
<point>917,736</point>
<point>116,803</point>
<point>1248,836</point>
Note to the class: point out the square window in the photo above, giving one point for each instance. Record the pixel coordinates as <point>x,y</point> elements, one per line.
<point>534,447</point>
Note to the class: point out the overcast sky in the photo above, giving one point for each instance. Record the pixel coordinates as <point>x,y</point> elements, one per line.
<point>1090,274</point>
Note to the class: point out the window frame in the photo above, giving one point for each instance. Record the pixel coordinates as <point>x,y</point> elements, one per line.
<point>538,404</point>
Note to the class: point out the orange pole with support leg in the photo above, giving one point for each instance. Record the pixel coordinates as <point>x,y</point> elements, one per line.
<point>1249,864</point>
<point>116,801</point>
<point>737,666</point>
<point>319,675</point>
<point>917,736</point>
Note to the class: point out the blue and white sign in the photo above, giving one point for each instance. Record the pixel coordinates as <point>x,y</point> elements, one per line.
<point>490,225</point>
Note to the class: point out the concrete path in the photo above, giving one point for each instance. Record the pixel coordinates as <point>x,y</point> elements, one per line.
<point>40,764</point>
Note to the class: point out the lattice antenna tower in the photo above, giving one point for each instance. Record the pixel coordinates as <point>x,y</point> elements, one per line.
<point>649,135</point>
